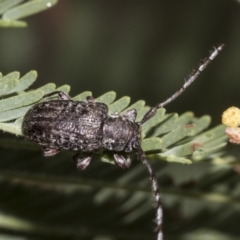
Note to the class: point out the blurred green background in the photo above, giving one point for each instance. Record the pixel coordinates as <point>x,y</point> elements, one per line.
<point>145,50</point>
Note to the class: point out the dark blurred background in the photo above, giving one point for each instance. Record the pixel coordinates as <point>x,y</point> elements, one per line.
<point>143,49</point>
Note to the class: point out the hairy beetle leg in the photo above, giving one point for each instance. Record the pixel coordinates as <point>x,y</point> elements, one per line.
<point>122,161</point>
<point>49,152</point>
<point>82,163</point>
<point>61,95</point>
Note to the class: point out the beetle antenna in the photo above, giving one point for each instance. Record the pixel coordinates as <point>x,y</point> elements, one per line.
<point>155,191</point>
<point>193,76</point>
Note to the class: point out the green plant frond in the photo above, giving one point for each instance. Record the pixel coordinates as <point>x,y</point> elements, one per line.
<point>13,114</point>
<point>138,106</point>
<point>25,82</point>
<point>153,121</point>
<point>5,5</point>
<point>107,98</point>
<point>64,88</point>
<point>150,144</point>
<point>119,105</point>
<point>175,159</point>
<point>170,136</point>
<point>142,112</point>
<point>211,139</point>
<point>7,86</point>
<point>12,23</point>
<point>14,128</point>
<point>201,124</point>
<point>175,135</point>
<point>167,124</point>
<point>201,155</point>
<point>12,10</point>
<point>82,96</point>
<point>182,150</point>
<point>50,87</point>
<point>20,100</point>
<point>10,76</point>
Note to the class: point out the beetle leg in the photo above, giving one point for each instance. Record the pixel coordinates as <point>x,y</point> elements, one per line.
<point>49,152</point>
<point>122,161</point>
<point>61,95</point>
<point>82,163</point>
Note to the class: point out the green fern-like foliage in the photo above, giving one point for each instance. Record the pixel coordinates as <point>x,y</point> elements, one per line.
<point>160,132</point>
<point>13,10</point>
<point>49,198</point>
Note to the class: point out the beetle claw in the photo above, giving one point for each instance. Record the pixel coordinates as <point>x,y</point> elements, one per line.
<point>122,161</point>
<point>82,163</point>
<point>49,152</point>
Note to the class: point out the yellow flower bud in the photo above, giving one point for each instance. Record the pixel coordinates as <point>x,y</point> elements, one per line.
<point>231,117</point>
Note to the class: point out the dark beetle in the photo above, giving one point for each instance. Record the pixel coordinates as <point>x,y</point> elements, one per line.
<point>87,127</point>
<point>65,124</point>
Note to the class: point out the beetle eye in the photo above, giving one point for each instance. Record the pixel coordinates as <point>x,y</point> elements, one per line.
<point>135,145</point>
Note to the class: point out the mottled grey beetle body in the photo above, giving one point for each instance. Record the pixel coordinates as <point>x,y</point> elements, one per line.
<point>65,124</point>
<point>69,125</point>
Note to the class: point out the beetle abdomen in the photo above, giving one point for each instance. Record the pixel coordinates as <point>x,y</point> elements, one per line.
<point>69,125</point>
